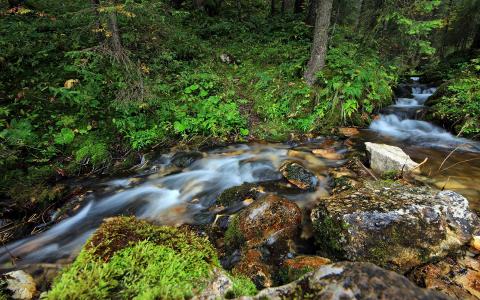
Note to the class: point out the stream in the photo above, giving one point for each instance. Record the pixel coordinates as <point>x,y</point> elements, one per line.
<point>168,195</point>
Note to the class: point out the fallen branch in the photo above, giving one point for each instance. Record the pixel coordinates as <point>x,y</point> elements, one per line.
<point>366,169</point>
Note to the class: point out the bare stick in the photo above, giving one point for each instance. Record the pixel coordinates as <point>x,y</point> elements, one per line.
<point>366,169</point>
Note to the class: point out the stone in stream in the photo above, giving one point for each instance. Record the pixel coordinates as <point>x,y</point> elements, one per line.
<point>348,280</point>
<point>185,159</point>
<point>294,268</point>
<point>264,233</point>
<point>298,175</point>
<point>19,284</point>
<point>457,277</point>
<point>386,158</point>
<point>395,226</point>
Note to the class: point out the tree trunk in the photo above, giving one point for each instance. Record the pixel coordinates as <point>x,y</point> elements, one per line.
<point>476,40</point>
<point>320,41</point>
<point>298,6</point>
<point>312,12</point>
<point>115,38</point>
<point>272,7</point>
<point>359,9</point>
<point>282,10</point>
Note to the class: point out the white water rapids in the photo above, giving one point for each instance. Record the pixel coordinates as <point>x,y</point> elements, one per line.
<point>400,126</point>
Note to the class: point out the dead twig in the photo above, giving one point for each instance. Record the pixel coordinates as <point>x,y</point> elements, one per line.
<point>366,169</point>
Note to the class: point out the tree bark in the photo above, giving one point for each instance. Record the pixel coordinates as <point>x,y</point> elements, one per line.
<point>320,41</point>
<point>476,40</point>
<point>272,7</point>
<point>312,12</point>
<point>359,9</point>
<point>282,10</point>
<point>298,6</point>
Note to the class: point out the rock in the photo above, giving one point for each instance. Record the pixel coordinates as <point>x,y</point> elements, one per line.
<point>386,158</point>
<point>238,194</point>
<point>20,284</point>
<point>456,277</point>
<point>294,268</point>
<point>348,131</point>
<point>327,154</point>
<point>252,266</point>
<point>298,175</point>
<point>217,286</point>
<point>185,159</point>
<point>267,221</point>
<point>347,280</point>
<point>475,242</point>
<point>395,226</point>
<point>403,91</point>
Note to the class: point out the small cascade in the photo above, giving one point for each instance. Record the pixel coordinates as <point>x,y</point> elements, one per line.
<point>402,121</point>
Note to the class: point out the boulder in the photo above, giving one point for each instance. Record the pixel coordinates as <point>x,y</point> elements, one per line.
<point>298,175</point>
<point>20,285</point>
<point>266,221</point>
<point>395,226</point>
<point>458,278</point>
<point>347,280</point>
<point>386,158</point>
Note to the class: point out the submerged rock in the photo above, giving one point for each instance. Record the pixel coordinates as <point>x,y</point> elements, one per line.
<point>238,194</point>
<point>386,158</point>
<point>456,277</point>
<point>298,175</point>
<point>397,227</point>
<point>20,285</point>
<point>185,159</point>
<point>347,280</point>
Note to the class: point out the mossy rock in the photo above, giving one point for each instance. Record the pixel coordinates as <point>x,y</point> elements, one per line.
<point>299,176</point>
<point>238,194</point>
<point>127,258</point>
<point>397,227</point>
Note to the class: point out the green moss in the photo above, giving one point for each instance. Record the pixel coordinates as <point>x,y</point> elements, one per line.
<point>237,194</point>
<point>234,238</point>
<point>391,176</point>
<point>242,286</point>
<point>329,234</point>
<point>143,271</point>
<point>127,258</point>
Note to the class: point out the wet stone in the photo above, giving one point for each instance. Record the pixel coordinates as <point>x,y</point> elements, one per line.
<point>299,176</point>
<point>185,159</point>
<point>347,280</point>
<point>397,227</point>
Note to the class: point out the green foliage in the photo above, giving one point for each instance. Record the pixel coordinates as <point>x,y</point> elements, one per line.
<point>355,83</point>
<point>460,103</point>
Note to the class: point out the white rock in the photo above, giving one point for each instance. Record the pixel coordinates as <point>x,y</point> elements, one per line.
<point>384,158</point>
<point>21,285</point>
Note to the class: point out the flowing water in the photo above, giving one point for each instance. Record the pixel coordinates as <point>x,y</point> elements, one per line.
<point>171,196</point>
<point>181,197</point>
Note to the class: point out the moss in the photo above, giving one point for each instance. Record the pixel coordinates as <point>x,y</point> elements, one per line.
<point>127,258</point>
<point>28,196</point>
<point>121,232</point>
<point>234,238</point>
<point>237,194</point>
<point>391,176</point>
<point>329,234</point>
<point>242,286</point>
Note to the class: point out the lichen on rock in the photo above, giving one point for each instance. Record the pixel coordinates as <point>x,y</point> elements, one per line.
<point>394,226</point>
